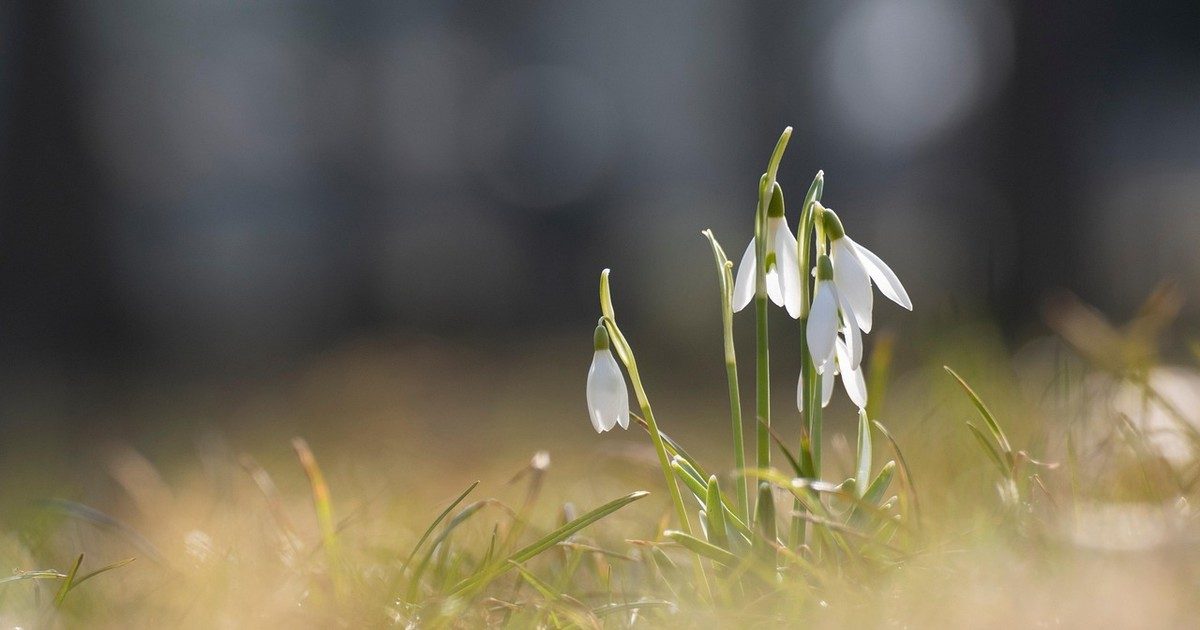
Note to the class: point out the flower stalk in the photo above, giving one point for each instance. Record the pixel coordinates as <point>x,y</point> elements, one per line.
<point>725,283</point>
<point>625,353</point>
<point>810,382</point>
<point>762,372</point>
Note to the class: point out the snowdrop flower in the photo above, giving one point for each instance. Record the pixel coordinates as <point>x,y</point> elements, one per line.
<point>783,269</point>
<point>824,322</point>
<point>854,269</point>
<point>607,396</point>
<point>852,379</point>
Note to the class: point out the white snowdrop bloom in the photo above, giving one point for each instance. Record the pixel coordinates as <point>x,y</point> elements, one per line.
<point>854,269</point>
<point>783,268</point>
<point>607,396</point>
<point>852,379</point>
<point>823,319</point>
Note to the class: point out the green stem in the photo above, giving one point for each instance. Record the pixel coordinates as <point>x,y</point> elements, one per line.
<point>625,354</point>
<point>762,366</point>
<point>810,390</point>
<point>762,371</point>
<point>739,446</point>
<point>725,282</point>
<point>660,448</point>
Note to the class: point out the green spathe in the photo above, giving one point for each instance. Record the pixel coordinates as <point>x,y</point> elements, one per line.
<point>600,338</point>
<point>824,268</point>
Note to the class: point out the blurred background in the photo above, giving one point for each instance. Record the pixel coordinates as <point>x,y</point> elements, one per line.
<point>216,195</point>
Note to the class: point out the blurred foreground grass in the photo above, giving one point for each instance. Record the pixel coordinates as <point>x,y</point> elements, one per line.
<point>203,487</point>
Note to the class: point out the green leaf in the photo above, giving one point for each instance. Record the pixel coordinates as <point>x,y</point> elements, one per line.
<point>904,469</point>
<point>437,521</point>
<point>104,569</point>
<point>608,609</point>
<point>988,448</point>
<point>875,491</point>
<point>694,482</point>
<point>990,419</point>
<point>863,469</point>
<point>67,582</point>
<point>765,519</point>
<point>716,514</point>
<point>712,552</point>
<point>414,582</point>
<point>484,577</point>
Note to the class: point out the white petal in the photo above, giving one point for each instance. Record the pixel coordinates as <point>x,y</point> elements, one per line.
<point>822,324</point>
<point>607,396</point>
<point>852,378</point>
<point>743,285</point>
<point>884,277</point>
<point>789,269</point>
<point>854,285</point>
<point>800,392</point>
<point>854,343</point>
<point>774,291</point>
<point>827,380</point>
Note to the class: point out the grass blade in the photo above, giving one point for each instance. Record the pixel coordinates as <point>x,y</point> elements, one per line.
<point>437,521</point>
<point>874,493</point>
<point>549,540</point>
<point>988,448</point>
<point>699,547</point>
<point>990,419</point>
<point>863,470</point>
<point>904,470</point>
<point>104,569</point>
<point>34,575</point>
<point>320,493</point>
<point>716,515</point>
<point>414,582</point>
<point>67,582</point>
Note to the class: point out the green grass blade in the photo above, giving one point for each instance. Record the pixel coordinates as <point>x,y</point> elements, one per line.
<point>545,589</point>
<point>609,609</point>
<point>549,540</point>
<point>67,582</point>
<point>104,569</point>
<point>716,514</point>
<point>690,478</point>
<point>988,417</point>
<point>863,469</point>
<point>989,449</point>
<point>322,503</point>
<point>697,546</point>
<point>699,489</point>
<point>437,521</point>
<point>415,581</point>
<point>874,493</point>
<point>904,471</point>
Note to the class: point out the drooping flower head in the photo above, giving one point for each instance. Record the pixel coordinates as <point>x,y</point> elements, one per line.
<point>823,319</point>
<point>842,306</point>
<point>607,395</point>
<point>783,270</point>
<point>854,269</point>
<point>852,379</point>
